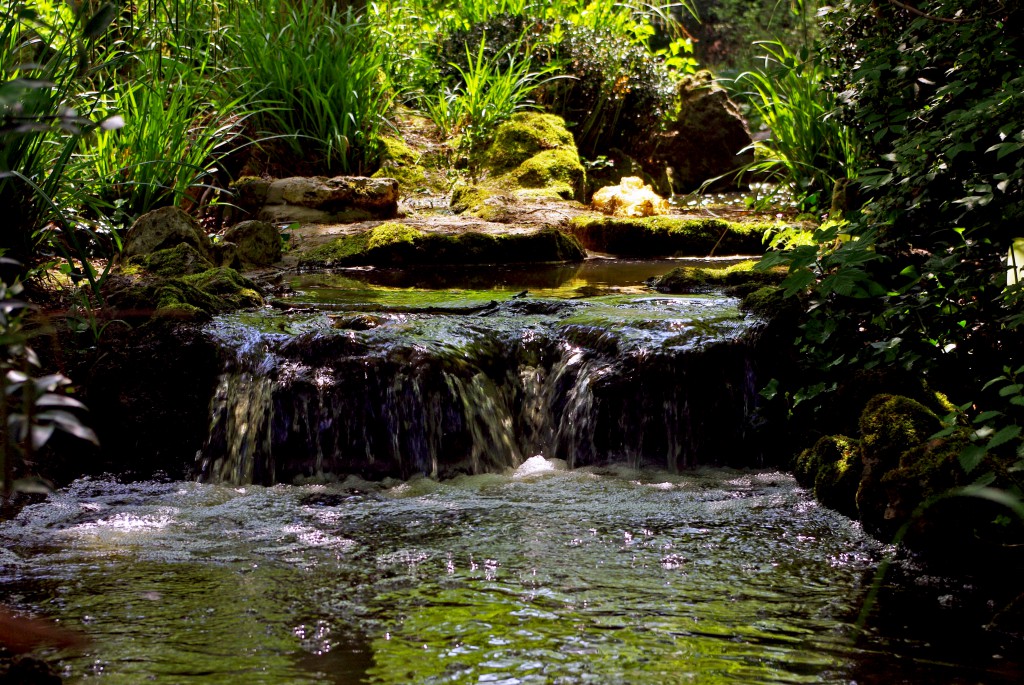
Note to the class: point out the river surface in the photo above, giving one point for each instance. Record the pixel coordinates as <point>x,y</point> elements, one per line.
<point>539,576</point>
<point>532,573</point>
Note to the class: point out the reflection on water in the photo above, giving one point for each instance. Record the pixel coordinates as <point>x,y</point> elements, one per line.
<point>585,279</point>
<point>546,577</point>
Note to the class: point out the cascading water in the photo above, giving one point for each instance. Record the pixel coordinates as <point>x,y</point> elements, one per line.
<point>448,382</point>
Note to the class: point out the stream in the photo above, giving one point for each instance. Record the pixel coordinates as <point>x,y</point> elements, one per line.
<point>463,482</point>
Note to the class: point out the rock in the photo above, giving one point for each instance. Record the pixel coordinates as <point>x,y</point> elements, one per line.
<point>165,228</point>
<point>318,199</point>
<point>180,260</point>
<point>396,244</point>
<point>889,426</point>
<point>737,279</point>
<point>832,469</point>
<point>257,243</point>
<point>668,236</point>
<point>195,297</point>
<point>631,198</point>
<point>533,157</point>
<point>705,140</point>
<point>398,161</point>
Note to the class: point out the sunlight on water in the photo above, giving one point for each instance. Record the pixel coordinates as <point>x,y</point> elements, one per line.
<point>541,576</point>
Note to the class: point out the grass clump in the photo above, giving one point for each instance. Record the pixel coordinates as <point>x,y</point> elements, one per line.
<point>669,236</point>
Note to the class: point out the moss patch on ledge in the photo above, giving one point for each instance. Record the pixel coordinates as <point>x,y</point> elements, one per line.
<point>194,297</point>
<point>396,244</point>
<point>669,236</point>
<point>738,279</point>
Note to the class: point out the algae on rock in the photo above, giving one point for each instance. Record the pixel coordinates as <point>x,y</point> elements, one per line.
<point>396,244</point>
<point>669,236</point>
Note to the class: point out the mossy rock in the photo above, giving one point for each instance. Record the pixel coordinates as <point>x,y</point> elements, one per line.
<point>770,302</point>
<point>740,276</point>
<point>400,162</point>
<point>890,425</point>
<point>195,297</point>
<point>839,473</point>
<point>525,135</point>
<point>395,244</point>
<point>532,157</point>
<point>468,198</point>
<point>558,171</point>
<point>668,236</point>
<point>180,260</point>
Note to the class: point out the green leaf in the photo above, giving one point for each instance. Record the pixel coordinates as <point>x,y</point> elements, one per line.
<point>987,416</point>
<point>98,23</point>
<point>1011,390</point>
<point>1005,435</point>
<point>971,457</point>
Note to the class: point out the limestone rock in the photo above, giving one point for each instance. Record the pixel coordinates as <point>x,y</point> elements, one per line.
<point>165,228</point>
<point>318,199</point>
<point>631,198</point>
<point>257,243</point>
<point>705,140</point>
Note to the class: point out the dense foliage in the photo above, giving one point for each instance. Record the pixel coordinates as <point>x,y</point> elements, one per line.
<point>917,280</point>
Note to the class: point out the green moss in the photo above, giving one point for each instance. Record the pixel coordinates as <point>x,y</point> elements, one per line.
<point>391,233</point>
<point>341,251</point>
<point>406,246</point>
<point>180,260</point>
<point>703,279</point>
<point>770,302</point>
<point>664,235</point>
<point>890,425</point>
<point>559,170</point>
<point>400,162</point>
<point>524,135</point>
<point>468,198</point>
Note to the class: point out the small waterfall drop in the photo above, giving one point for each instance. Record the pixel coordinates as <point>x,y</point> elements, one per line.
<point>467,388</point>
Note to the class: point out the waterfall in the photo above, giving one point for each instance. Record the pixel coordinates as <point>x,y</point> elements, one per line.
<point>449,394</point>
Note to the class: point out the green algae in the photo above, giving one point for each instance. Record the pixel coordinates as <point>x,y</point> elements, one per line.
<point>666,235</point>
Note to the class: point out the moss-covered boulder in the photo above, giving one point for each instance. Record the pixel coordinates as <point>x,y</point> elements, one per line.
<point>193,297</point>
<point>397,244</point>
<point>890,425</point>
<point>180,260</point>
<point>402,163</point>
<point>738,279</point>
<point>163,229</point>
<point>532,157</point>
<point>668,236</point>
<point>832,468</point>
<point>257,243</point>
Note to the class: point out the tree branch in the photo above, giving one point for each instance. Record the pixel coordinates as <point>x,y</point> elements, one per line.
<point>914,10</point>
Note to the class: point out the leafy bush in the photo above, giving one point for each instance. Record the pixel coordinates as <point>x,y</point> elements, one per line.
<point>45,105</point>
<point>917,280</point>
<point>613,91</point>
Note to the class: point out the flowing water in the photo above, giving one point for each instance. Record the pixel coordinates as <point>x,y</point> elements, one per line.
<point>473,372</point>
<point>515,569</point>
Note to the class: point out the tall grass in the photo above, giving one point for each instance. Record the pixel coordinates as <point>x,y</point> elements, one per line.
<point>809,149</point>
<point>47,67</point>
<point>492,89</point>
<point>172,141</point>
<point>321,73</point>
